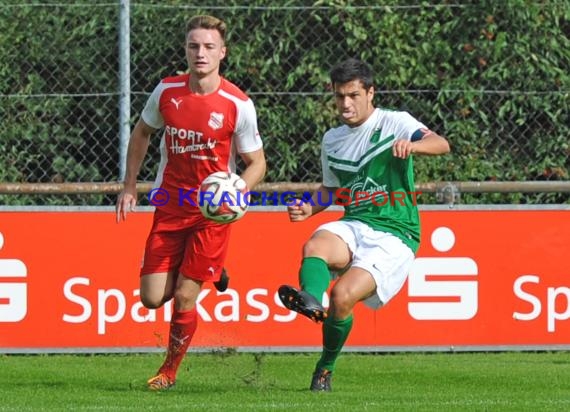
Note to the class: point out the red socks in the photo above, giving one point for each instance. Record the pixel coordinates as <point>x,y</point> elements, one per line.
<point>182,328</point>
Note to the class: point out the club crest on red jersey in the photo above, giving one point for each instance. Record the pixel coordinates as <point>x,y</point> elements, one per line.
<point>216,120</point>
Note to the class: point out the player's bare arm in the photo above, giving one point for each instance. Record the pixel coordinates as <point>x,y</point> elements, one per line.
<point>255,167</point>
<point>321,199</point>
<point>136,151</point>
<point>430,144</point>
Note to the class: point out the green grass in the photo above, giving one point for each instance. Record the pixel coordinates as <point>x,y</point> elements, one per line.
<point>516,381</point>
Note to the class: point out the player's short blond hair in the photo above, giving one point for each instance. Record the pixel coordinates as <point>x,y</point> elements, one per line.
<point>207,22</point>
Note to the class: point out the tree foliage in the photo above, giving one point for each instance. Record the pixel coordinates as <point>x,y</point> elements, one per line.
<point>491,76</point>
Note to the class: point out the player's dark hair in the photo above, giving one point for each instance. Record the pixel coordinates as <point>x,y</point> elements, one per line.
<point>352,69</point>
<point>207,22</point>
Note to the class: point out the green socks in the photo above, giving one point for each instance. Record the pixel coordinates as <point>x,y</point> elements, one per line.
<point>335,333</point>
<point>314,277</point>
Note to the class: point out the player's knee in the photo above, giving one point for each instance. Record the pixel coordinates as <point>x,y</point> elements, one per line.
<point>184,300</point>
<point>316,247</point>
<point>342,302</point>
<point>329,247</point>
<point>152,302</point>
<point>336,263</point>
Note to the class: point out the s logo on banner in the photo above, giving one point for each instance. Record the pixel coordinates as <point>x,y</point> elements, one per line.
<point>436,284</point>
<point>13,295</point>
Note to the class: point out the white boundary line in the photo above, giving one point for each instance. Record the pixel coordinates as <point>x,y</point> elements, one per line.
<point>297,349</point>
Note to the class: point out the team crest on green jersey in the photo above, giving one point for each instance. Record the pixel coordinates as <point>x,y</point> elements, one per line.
<point>376,136</point>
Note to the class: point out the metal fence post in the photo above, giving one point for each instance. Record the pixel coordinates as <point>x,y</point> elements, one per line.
<point>124,85</point>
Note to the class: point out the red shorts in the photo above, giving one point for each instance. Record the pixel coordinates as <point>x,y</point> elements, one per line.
<point>192,246</point>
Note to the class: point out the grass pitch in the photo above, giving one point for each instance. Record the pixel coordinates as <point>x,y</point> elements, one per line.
<point>515,381</point>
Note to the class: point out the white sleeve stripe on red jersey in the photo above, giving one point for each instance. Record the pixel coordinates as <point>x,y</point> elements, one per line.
<point>162,164</point>
<point>151,114</point>
<point>246,135</point>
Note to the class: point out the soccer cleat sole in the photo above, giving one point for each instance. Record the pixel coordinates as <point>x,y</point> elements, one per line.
<point>301,302</point>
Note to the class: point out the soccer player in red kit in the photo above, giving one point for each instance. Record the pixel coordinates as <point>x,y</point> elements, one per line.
<point>207,122</point>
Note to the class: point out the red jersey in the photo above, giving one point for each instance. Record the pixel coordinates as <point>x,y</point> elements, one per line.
<point>202,134</point>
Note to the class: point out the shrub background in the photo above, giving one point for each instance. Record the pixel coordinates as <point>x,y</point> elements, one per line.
<point>491,76</point>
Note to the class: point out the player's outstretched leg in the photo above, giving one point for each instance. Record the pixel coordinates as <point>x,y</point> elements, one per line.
<point>302,302</point>
<point>222,284</point>
<point>321,381</point>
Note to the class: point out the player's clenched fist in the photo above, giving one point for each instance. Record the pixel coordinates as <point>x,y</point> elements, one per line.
<point>402,148</point>
<point>299,210</point>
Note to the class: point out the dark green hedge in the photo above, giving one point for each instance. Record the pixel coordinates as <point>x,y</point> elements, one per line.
<point>492,76</point>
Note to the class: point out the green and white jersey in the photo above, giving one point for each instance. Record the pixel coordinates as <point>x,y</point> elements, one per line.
<point>374,186</point>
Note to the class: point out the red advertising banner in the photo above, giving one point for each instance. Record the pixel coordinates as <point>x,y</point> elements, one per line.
<point>482,278</point>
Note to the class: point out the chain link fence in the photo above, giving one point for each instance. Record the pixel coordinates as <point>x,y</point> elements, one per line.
<point>60,88</point>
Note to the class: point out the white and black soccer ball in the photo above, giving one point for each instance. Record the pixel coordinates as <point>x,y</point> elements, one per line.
<point>221,197</point>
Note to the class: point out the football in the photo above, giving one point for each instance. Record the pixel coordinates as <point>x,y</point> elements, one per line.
<point>221,197</point>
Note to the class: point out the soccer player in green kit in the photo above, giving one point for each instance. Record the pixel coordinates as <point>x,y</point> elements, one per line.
<point>367,167</point>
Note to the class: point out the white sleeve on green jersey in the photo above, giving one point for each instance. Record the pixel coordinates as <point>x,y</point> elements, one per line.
<point>329,178</point>
<point>404,124</point>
